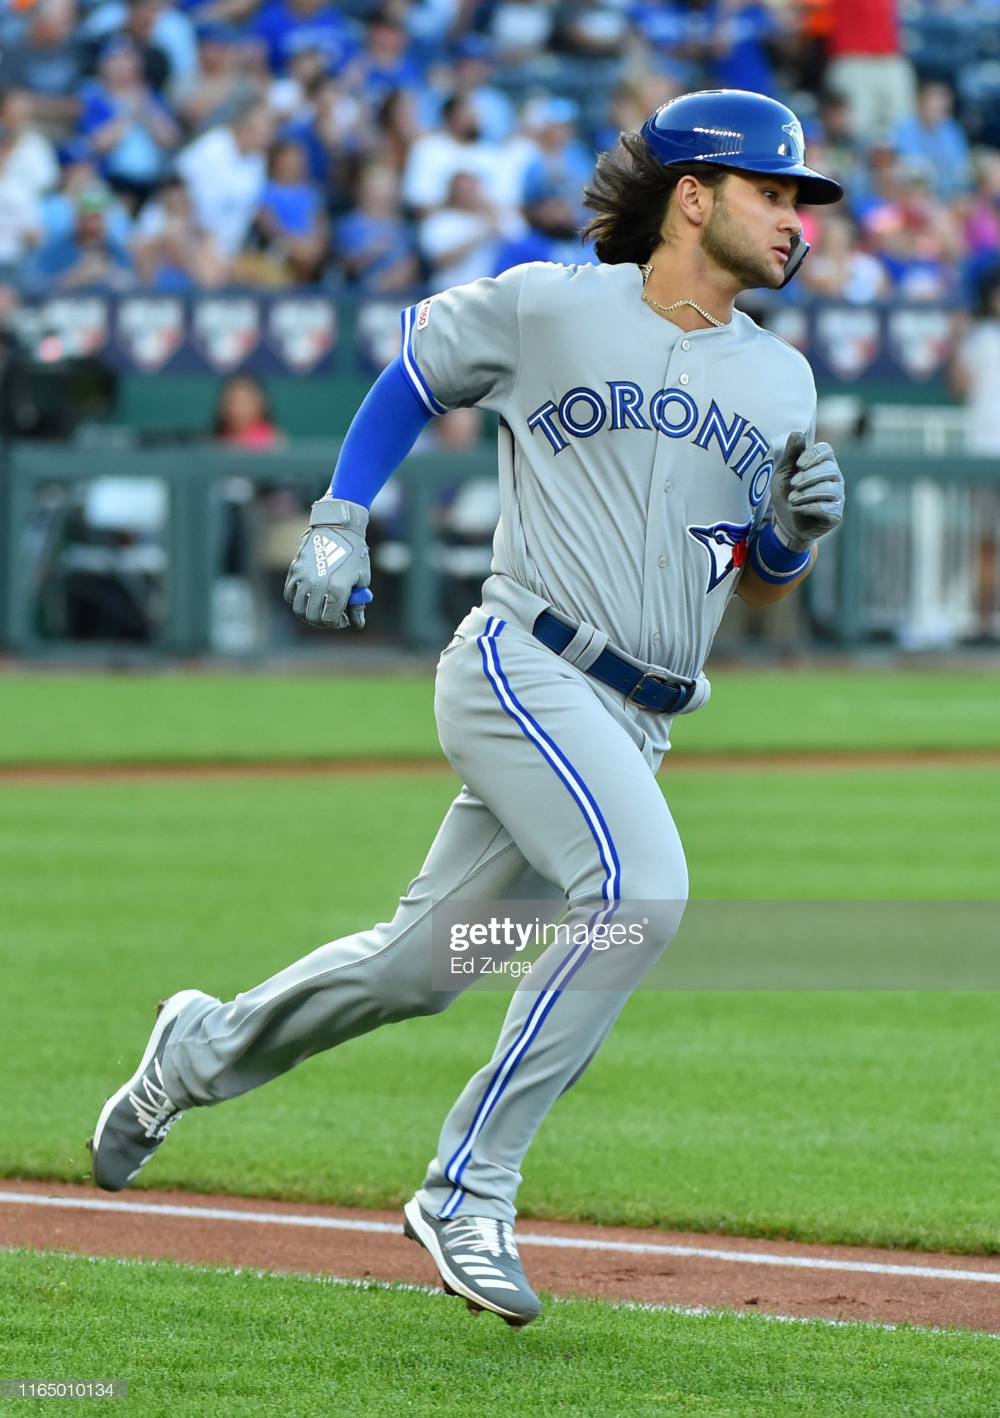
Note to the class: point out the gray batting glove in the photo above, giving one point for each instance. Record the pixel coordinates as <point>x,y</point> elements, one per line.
<point>327,583</point>
<point>807,493</point>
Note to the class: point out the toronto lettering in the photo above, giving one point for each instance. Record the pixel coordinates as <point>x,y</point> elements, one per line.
<point>582,412</point>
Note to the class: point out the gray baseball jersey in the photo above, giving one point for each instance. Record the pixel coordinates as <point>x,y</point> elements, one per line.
<point>634,458</point>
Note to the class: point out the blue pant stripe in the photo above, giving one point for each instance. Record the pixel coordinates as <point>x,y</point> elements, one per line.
<point>568,967</point>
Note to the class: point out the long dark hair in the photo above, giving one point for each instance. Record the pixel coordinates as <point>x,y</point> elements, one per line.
<point>630,199</point>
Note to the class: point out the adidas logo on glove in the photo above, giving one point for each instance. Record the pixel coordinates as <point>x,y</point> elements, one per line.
<point>328,553</point>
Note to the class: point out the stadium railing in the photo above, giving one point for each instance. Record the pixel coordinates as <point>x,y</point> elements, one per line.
<point>183,551</point>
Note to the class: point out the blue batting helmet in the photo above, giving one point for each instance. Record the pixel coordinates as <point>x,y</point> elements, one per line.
<point>744,131</point>
<point>739,130</point>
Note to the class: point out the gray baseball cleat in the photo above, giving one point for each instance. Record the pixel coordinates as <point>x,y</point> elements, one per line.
<point>136,1119</point>
<point>478,1260</point>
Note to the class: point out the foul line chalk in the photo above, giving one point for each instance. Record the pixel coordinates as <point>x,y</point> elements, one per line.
<point>570,1243</point>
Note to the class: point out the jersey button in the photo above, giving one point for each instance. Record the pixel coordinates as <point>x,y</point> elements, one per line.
<point>683,379</point>
<point>668,486</point>
<point>685,344</point>
<point>662,561</point>
<point>656,638</point>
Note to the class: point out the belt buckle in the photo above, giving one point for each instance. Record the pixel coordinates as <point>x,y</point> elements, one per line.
<point>649,674</point>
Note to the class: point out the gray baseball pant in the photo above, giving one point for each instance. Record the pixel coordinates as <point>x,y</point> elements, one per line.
<point>560,800</point>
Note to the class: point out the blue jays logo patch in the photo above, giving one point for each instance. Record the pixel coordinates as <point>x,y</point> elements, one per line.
<point>726,544</point>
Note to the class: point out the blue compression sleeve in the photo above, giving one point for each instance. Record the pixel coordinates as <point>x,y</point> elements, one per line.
<point>381,434</point>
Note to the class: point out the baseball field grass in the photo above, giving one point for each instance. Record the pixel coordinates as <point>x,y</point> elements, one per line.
<point>80,718</point>
<point>194,1341</point>
<point>837,1117</point>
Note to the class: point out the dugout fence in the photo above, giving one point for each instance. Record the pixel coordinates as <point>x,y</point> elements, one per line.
<point>182,551</point>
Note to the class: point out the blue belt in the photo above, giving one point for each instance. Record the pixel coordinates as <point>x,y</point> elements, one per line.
<point>645,688</point>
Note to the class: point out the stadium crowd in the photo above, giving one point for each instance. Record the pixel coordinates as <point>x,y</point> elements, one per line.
<point>388,146</point>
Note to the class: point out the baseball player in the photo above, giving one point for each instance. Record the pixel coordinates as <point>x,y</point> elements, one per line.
<point>656,456</point>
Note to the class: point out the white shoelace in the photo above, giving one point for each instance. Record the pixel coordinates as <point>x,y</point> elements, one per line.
<point>155,1112</point>
<point>479,1234</point>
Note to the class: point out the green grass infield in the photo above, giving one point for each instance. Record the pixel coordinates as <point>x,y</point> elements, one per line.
<point>172,717</point>
<point>834,1117</point>
<point>192,1341</point>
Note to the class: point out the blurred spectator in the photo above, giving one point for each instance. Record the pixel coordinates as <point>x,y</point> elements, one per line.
<point>552,235</point>
<point>289,26</point>
<point>916,238</point>
<point>373,242</point>
<point>837,270</point>
<point>224,171</point>
<point>934,139</point>
<point>520,29</point>
<point>632,101</point>
<point>31,158</point>
<point>591,29</point>
<point>396,130</point>
<point>137,21</point>
<point>221,87</point>
<point>169,251</point>
<point>867,68</point>
<point>288,96</point>
<point>975,372</point>
<point>243,416</point>
<point>20,218</point>
<point>166,38</point>
<point>79,174</point>
<point>981,222</point>
<point>383,66</point>
<point>87,256</point>
<point>333,131</point>
<point>429,23</point>
<point>436,157</point>
<point>128,127</point>
<point>290,217</point>
<point>679,36</point>
<point>471,76</point>
<point>563,163</point>
<point>48,62</point>
<point>833,142</point>
<point>163,35</point>
<point>742,31</point>
<point>461,240</point>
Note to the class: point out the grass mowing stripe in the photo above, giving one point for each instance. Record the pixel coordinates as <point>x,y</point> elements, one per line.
<point>179,716</point>
<point>192,1340</point>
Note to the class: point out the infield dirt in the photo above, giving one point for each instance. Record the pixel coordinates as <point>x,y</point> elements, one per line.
<point>824,1282</point>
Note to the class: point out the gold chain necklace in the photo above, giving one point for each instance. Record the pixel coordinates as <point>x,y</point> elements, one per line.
<point>666,309</point>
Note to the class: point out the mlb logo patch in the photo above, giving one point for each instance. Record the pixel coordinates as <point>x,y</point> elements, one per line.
<point>423,313</point>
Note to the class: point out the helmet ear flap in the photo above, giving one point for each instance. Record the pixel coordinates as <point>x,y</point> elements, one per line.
<point>798,253</point>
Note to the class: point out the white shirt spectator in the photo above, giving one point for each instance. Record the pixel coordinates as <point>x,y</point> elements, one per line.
<point>31,163</point>
<point>470,232</point>
<point>436,158</point>
<point>20,221</point>
<point>866,279</point>
<point>980,358</point>
<point>463,239</point>
<point>519,28</point>
<point>225,184</point>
